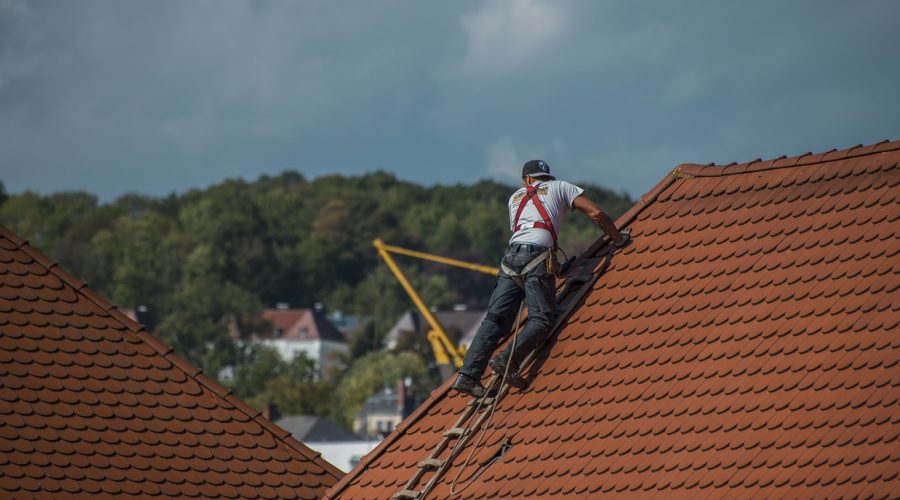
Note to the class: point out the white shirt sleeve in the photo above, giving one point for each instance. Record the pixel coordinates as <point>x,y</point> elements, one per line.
<point>569,192</point>
<point>512,211</point>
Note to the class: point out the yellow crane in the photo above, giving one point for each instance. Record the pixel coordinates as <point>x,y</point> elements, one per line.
<point>446,353</point>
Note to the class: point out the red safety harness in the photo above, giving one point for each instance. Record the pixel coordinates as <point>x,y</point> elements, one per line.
<point>547,223</point>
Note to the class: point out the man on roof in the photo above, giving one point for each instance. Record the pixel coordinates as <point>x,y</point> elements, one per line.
<point>527,271</point>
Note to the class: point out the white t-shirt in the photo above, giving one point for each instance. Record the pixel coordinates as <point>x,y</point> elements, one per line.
<point>557,198</point>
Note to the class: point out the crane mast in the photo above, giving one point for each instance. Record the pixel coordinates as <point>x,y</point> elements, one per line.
<point>448,355</point>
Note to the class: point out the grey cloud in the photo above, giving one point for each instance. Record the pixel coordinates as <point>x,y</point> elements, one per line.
<point>115,96</point>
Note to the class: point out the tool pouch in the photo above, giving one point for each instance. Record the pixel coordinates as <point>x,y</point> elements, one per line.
<point>552,264</point>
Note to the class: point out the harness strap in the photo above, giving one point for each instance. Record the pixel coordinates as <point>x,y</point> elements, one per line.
<point>547,223</point>
<point>517,276</point>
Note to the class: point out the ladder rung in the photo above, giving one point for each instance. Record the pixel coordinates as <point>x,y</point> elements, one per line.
<point>406,495</point>
<point>431,463</point>
<point>456,432</point>
<point>485,401</point>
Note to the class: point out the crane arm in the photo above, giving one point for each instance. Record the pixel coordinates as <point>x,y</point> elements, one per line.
<point>436,258</point>
<point>445,351</point>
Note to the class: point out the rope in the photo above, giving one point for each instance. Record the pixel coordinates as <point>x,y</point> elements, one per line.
<point>484,428</point>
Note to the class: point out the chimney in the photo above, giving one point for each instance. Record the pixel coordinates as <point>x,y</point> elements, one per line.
<point>270,411</point>
<point>401,396</point>
<point>405,397</point>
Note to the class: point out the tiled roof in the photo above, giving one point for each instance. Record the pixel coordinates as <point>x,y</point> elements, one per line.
<point>744,345</point>
<point>303,324</point>
<point>91,404</point>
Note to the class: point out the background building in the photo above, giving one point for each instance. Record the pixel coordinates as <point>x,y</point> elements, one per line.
<point>308,331</point>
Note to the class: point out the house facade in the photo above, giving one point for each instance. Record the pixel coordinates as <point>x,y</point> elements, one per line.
<point>305,331</point>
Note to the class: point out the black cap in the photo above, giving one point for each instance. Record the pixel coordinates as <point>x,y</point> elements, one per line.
<point>538,169</point>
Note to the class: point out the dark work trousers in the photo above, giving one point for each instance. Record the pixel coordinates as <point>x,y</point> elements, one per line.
<point>540,297</point>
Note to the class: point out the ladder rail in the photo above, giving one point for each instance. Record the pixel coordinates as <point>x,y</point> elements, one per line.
<point>460,445</point>
<point>442,445</point>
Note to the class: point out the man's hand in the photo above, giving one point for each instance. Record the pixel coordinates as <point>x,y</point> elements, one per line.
<point>625,235</point>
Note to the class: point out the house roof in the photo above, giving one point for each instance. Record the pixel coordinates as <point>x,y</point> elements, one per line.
<point>456,325</point>
<point>303,324</point>
<point>311,428</point>
<point>745,344</point>
<point>90,403</point>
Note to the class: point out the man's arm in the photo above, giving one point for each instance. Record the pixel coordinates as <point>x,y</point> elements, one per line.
<point>589,208</point>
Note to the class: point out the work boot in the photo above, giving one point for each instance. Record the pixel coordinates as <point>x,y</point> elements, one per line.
<point>468,385</point>
<point>498,365</point>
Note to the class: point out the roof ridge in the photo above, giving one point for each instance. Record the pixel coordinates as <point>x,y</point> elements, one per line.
<point>804,160</point>
<point>164,350</point>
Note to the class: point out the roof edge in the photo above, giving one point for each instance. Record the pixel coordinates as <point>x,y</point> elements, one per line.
<point>314,456</point>
<point>164,350</point>
<point>806,159</point>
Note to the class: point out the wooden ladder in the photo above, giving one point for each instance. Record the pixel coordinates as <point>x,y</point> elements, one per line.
<point>460,433</point>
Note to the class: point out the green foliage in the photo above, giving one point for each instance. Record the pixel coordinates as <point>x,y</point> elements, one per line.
<point>208,261</point>
<point>263,377</point>
<point>57,224</point>
<point>204,305</point>
<point>144,254</point>
<point>372,372</point>
<point>296,391</point>
<point>258,364</point>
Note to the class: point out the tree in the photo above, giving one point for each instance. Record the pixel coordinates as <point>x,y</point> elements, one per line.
<point>208,261</point>
<point>371,373</point>
<point>205,307</point>
<point>257,364</point>
<point>297,390</point>
<point>145,253</point>
<point>228,220</point>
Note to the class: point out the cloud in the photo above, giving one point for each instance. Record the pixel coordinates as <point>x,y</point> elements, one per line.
<point>503,36</point>
<point>14,5</point>
<point>114,96</point>
<point>505,157</point>
<point>94,95</point>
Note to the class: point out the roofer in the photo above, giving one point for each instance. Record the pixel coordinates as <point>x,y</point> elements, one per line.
<point>527,270</point>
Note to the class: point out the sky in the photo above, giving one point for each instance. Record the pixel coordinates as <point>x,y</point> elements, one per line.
<point>112,96</point>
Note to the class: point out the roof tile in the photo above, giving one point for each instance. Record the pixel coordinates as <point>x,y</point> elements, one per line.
<point>743,345</point>
<point>92,404</point>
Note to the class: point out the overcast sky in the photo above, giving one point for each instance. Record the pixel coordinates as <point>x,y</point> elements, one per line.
<point>159,96</point>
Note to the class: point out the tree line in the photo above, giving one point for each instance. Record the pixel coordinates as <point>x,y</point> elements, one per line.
<point>211,258</point>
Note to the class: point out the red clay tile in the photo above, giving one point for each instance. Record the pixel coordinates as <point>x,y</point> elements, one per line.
<point>91,408</point>
<point>744,345</point>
